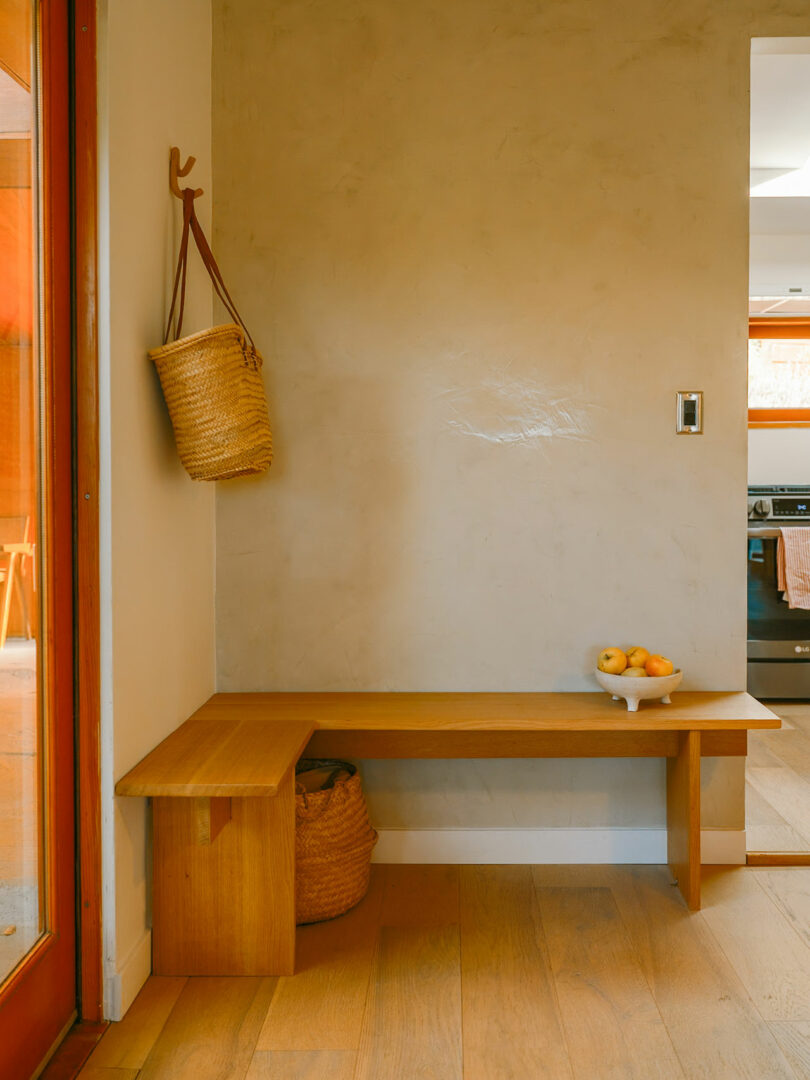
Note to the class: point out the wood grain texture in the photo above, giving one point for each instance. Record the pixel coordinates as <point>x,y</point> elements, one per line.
<point>759,755</point>
<point>766,829</point>
<point>97,1072</point>
<point>412,1025</point>
<point>778,776</point>
<point>789,747</point>
<point>302,1065</point>
<point>488,744</point>
<point>206,756</point>
<point>794,715</point>
<point>713,1025</point>
<point>126,1044</point>
<point>86,406</point>
<point>787,793</point>
<point>321,1007</point>
<point>772,960</point>
<point>778,858</point>
<point>72,1052</point>
<point>15,40</point>
<point>512,1025</point>
<point>612,1024</point>
<point>516,744</point>
<point>420,896</point>
<point>789,890</point>
<point>227,908</point>
<point>212,1030</point>
<point>15,163</point>
<point>503,712</point>
<point>794,1041</point>
<point>723,743</point>
<point>212,816</point>
<point>683,817</point>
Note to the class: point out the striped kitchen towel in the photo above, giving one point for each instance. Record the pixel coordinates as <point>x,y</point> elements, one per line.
<point>793,566</point>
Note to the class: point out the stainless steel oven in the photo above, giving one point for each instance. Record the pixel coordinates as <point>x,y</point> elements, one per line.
<point>778,636</point>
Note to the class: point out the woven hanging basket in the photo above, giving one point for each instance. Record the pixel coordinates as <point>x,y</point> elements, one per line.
<point>214,393</point>
<point>212,380</point>
<point>333,844</point>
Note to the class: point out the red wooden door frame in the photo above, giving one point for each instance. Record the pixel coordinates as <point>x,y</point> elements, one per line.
<point>87,633</point>
<point>39,998</point>
<point>35,1002</point>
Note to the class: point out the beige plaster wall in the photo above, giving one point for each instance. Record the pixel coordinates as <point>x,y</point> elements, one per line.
<point>157,525</point>
<point>482,243</point>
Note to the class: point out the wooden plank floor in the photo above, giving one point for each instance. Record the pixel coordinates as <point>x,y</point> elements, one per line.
<point>777,796</point>
<point>505,973</point>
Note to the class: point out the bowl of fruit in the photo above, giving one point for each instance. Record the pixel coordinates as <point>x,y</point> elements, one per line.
<point>636,675</point>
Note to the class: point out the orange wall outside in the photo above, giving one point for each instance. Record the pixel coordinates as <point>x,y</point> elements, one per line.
<point>17,354</point>
<point>17,397</point>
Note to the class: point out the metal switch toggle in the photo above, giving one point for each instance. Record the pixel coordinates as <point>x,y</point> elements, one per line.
<point>689,417</point>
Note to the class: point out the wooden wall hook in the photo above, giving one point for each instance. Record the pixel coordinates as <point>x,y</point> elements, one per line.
<point>175,171</point>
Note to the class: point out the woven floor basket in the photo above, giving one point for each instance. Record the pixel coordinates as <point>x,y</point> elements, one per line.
<point>333,844</point>
<point>213,389</point>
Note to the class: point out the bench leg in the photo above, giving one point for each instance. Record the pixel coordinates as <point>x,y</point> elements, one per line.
<point>224,902</point>
<point>683,817</point>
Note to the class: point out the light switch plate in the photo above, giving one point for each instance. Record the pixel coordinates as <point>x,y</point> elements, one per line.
<point>689,415</point>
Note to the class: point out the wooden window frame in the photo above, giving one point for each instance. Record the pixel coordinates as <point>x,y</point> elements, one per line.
<point>787,328</point>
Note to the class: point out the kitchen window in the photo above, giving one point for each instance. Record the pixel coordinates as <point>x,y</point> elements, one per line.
<point>778,371</point>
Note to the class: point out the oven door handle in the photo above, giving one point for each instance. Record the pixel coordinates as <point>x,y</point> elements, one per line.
<point>764,534</point>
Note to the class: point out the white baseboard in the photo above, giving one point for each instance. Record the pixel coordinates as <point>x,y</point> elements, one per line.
<point>509,846</point>
<point>727,846</point>
<point>121,987</point>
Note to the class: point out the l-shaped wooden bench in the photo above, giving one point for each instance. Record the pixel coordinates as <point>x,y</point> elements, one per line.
<point>222,787</point>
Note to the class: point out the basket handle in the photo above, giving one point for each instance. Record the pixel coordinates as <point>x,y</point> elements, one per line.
<point>191,224</point>
<point>180,273</point>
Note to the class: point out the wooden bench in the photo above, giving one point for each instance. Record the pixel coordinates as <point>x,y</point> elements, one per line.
<point>222,787</point>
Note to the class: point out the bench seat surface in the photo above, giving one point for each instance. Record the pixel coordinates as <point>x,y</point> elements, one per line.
<point>700,710</point>
<point>245,744</point>
<point>205,757</point>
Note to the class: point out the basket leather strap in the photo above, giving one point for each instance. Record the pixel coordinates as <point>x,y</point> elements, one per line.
<point>182,266</point>
<point>190,223</point>
<point>214,273</point>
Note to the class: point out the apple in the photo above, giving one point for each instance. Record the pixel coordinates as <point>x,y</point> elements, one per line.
<point>635,672</point>
<point>612,660</point>
<point>658,666</point>
<point>637,656</point>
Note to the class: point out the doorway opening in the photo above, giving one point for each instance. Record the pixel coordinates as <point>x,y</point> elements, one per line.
<point>778,763</point>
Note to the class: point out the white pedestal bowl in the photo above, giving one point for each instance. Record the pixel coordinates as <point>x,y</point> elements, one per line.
<point>633,690</point>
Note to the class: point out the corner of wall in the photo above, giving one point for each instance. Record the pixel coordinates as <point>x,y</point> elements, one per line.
<point>157,624</point>
<point>122,983</point>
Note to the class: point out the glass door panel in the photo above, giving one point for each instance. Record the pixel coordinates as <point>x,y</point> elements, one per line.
<point>37,846</point>
<point>22,899</point>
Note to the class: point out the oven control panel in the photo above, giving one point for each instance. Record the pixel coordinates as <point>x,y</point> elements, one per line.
<point>779,503</point>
